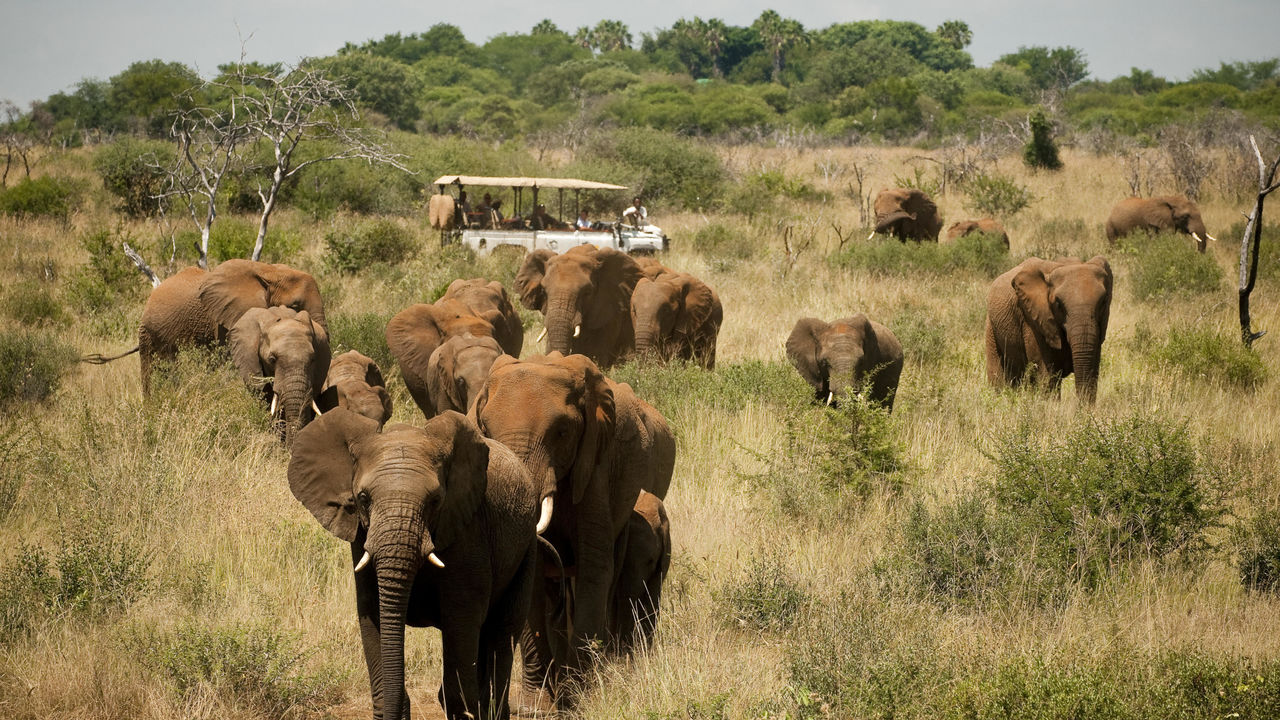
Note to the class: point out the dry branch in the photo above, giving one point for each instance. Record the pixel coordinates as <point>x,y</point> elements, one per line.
<point>1251,242</point>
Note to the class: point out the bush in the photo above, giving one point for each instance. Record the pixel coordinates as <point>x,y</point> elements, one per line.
<point>1167,265</point>
<point>677,387</point>
<point>1041,151</point>
<point>1257,543</point>
<point>960,551</point>
<point>979,254</point>
<point>721,242</point>
<point>766,598</point>
<point>996,195</point>
<point>44,197</point>
<point>109,278</point>
<point>673,169</point>
<point>761,191</point>
<point>32,365</point>
<point>129,172</point>
<point>32,303</point>
<point>381,241</point>
<point>364,332</point>
<point>234,237</point>
<point>922,334</point>
<point>1203,355</point>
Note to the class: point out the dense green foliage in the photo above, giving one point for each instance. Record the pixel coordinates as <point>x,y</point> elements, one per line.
<point>44,197</point>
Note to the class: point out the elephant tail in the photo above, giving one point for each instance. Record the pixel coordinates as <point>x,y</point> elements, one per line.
<point>98,359</point>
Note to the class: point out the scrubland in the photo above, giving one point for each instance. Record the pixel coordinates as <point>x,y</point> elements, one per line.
<point>976,554</point>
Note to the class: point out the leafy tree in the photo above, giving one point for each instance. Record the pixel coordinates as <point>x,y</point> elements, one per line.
<point>440,39</point>
<point>546,27</point>
<point>1041,151</point>
<point>88,108</point>
<point>708,36</point>
<point>148,92</point>
<point>381,84</point>
<point>922,45</point>
<point>869,60</point>
<point>610,35</point>
<point>778,35</point>
<point>1049,69</point>
<point>955,33</point>
<point>520,57</point>
<point>1242,75</point>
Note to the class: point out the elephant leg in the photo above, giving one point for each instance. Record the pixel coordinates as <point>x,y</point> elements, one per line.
<point>538,666</point>
<point>460,690</point>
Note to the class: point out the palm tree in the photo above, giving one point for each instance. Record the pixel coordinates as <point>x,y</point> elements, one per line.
<point>582,37</point>
<point>955,33</point>
<point>713,37</point>
<point>778,34</point>
<point>610,35</point>
<point>545,27</point>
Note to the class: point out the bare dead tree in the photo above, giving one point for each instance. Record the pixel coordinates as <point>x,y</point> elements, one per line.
<point>1252,240</point>
<point>792,250</point>
<point>1189,158</point>
<point>858,193</point>
<point>17,140</point>
<point>842,235</point>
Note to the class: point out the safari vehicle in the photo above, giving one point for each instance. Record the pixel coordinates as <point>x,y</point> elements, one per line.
<point>528,225</point>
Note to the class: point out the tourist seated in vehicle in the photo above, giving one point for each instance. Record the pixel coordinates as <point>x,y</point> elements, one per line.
<point>542,221</point>
<point>583,223</point>
<point>637,215</point>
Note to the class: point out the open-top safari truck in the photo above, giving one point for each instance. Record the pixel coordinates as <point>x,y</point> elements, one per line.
<point>528,225</point>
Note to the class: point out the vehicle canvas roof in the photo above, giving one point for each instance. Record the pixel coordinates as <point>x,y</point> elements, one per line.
<point>562,183</point>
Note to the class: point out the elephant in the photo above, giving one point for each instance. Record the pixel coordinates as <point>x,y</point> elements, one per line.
<point>414,333</point>
<point>354,382</point>
<point>441,526</point>
<point>841,355</point>
<point>1051,315</point>
<point>651,268</point>
<point>199,307</point>
<point>907,214</point>
<point>638,593</point>
<point>289,349</point>
<point>457,370</point>
<point>593,446</point>
<point>489,300</point>
<point>982,226</point>
<point>585,297</point>
<point>1158,214</point>
<point>676,315</point>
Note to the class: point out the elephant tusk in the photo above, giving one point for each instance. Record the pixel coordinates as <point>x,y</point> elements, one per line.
<point>1211,237</point>
<point>544,520</point>
<point>435,560</point>
<point>1197,238</point>
<point>316,407</point>
<point>364,560</point>
<point>274,398</point>
<point>541,335</point>
<point>577,330</point>
<point>830,396</point>
<point>873,234</point>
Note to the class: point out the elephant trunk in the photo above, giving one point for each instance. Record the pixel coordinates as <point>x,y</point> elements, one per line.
<point>562,311</point>
<point>1086,354</point>
<point>646,338</point>
<point>398,541</point>
<point>293,385</point>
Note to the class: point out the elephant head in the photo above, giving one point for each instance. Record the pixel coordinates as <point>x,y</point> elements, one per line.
<point>676,315</point>
<point>355,383</point>
<point>488,300</point>
<point>234,286</point>
<point>585,298</point>
<point>1176,213</point>
<point>414,333</point>
<point>638,592</point>
<point>290,349</point>
<point>907,214</point>
<point>458,369</point>
<point>413,492</point>
<point>838,356</point>
<point>1066,304</point>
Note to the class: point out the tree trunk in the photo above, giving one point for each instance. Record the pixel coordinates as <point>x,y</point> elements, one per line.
<point>1251,242</point>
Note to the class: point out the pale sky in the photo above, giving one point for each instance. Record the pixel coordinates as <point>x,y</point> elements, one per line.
<point>50,45</point>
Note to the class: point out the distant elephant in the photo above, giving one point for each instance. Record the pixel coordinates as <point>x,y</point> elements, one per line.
<point>637,595</point>
<point>1170,213</point>
<point>585,297</point>
<point>440,211</point>
<point>199,307</point>
<point>983,226</point>
<point>907,214</point>
<point>652,268</point>
<point>488,299</point>
<point>405,497</point>
<point>414,333</point>
<point>355,383</point>
<point>838,356</point>
<point>291,351</point>
<point>1050,315</point>
<point>458,369</point>
<point>676,315</point>
<point>592,446</point>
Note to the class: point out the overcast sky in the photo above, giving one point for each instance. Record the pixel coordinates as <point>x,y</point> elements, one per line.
<point>50,45</point>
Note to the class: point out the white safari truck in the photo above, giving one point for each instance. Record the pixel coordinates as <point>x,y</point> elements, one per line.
<point>525,224</point>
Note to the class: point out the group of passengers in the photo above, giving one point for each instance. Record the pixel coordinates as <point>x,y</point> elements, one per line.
<point>488,215</point>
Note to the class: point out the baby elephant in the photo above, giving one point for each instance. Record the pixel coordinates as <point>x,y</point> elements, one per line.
<point>840,355</point>
<point>457,370</point>
<point>356,383</point>
<point>638,592</point>
<point>983,226</point>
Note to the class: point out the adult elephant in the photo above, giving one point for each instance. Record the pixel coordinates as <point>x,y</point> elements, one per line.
<point>1168,213</point>
<point>488,299</point>
<point>981,226</point>
<point>414,333</point>
<point>405,497</point>
<point>1050,315</point>
<point>592,445</point>
<point>458,369</point>
<point>585,297</point>
<point>291,352</point>
<point>355,382</point>
<point>637,596</point>
<point>837,356</point>
<point>907,214</point>
<point>199,307</point>
<point>676,315</point>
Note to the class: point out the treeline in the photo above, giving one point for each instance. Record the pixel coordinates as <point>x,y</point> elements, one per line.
<point>877,79</point>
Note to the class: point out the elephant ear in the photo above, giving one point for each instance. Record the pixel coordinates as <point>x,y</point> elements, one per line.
<point>1032,291</point>
<point>322,468</point>
<point>1105,269</point>
<point>244,341</point>
<point>804,348</point>
<point>439,374</point>
<point>231,289</point>
<point>599,416</point>
<point>412,335</point>
<point>372,373</point>
<point>615,278</point>
<point>328,399</point>
<point>699,303</point>
<point>323,354</point>
<point>465,475</point>
<point>482,398</point>
<point>533,294</point>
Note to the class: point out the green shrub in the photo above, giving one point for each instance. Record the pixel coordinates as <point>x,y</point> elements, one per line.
<point>766,597</point>
<point>364,332</point>
<point>920,180</point>
<point>381,241</point>
<point>1041,151</point>
<point>1268,250</point>
<point>722,242</point>
<point>33,303</point>
<point>1203,355</point>
<point>44,197</point>
<point>1167,265</point>
<point>922,334</point>
<point>959,551</point>
<point>109,278</point>
<point>234,237</point>
<point>674,170</point>
<point>257,663</point>
<point>32,365</point>
<point>1257,542</point>
<point>979,254</point>
<point>679,387</point>
<point>996,195</point>
<point>130,171</point>
<point>763,189</point>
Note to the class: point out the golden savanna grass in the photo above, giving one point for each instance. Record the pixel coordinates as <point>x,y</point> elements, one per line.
<point>195,479</point>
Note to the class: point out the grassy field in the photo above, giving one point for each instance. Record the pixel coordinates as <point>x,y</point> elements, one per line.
<point>154,563</point>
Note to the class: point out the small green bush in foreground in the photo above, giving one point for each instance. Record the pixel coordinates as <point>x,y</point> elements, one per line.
<point>32,364</point>
<point>1203,355</point>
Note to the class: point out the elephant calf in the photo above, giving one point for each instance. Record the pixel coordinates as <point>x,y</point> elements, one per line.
<point>1050,316</point>
<point>637,594</point>
<point>982,226</point>
<point>842,355</point>
<point>355,383</point>
<point>291,351</point>
<point>458,369</point>
<point>1169,213</point>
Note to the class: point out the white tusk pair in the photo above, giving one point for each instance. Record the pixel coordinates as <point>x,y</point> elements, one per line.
<point>544,520</point>
<point>364,560</point>
<point>541,335</point>
<point>1197,238</point>
<point>577,330</point>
